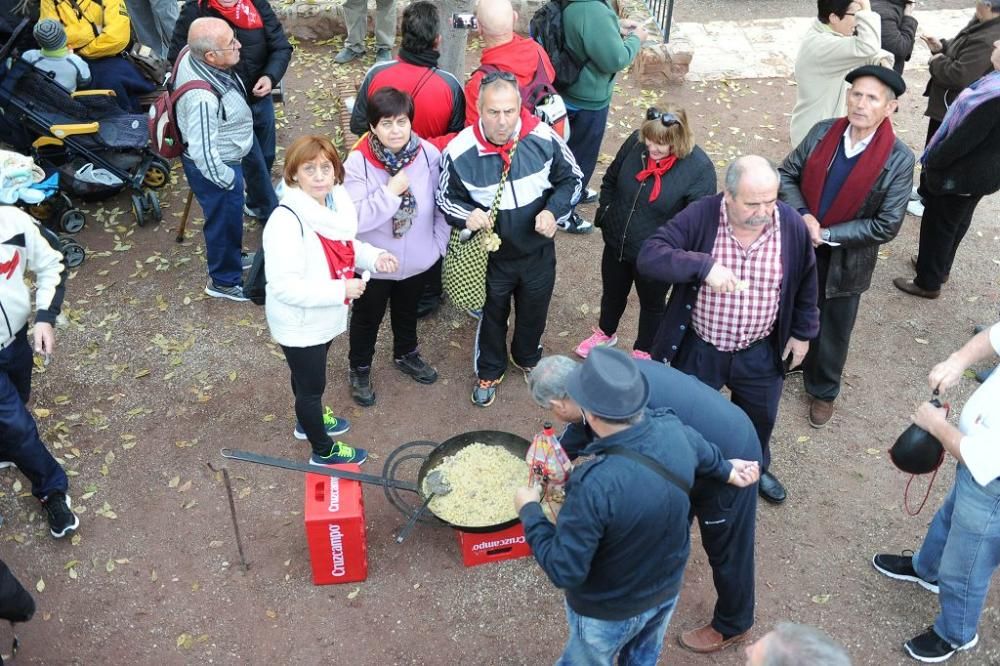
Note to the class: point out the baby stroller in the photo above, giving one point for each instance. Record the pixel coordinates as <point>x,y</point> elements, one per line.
<point>24,184</point>
<point>97,149</point>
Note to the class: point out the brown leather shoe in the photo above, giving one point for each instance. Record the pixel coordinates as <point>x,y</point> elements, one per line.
<point>906,285</point>
<point>820,412</point>
<point>913,262</point>
<point>704,640</point>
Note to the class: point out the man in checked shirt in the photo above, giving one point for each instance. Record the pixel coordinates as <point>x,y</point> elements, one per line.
<point>757,311</point>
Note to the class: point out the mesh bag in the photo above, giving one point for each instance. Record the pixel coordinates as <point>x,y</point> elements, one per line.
<point>464,270</point>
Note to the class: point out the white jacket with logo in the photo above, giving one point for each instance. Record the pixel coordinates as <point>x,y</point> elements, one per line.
<point>23,247</point>
<point>305,306</point>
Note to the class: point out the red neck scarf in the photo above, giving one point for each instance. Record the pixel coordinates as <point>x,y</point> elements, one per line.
<point>656,168</point>
<point>340,258</point>
<point>242,15</point>
<point>859,183</point>
<point>528,123</point>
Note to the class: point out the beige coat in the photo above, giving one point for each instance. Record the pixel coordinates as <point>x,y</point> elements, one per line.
<point>825,57</point>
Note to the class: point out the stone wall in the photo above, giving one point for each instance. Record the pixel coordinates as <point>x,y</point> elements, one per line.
<point>657,64</point>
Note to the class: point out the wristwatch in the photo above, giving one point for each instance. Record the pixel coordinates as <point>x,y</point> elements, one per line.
<point>824,235</point>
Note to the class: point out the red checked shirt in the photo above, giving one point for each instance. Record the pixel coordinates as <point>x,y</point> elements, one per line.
<point>734,321</point>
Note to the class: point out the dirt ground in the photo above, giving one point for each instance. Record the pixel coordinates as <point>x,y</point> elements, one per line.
<point>151,378</point>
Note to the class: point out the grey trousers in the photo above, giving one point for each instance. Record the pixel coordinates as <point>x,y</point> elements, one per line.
<point>153,21</point>
<point>356,16</point>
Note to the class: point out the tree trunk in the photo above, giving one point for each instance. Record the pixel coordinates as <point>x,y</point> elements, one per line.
<point>454,42</point>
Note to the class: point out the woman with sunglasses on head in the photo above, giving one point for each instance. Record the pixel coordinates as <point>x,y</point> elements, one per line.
<point>312,260</point>
<point>391,176</point>
<point>657,172</point>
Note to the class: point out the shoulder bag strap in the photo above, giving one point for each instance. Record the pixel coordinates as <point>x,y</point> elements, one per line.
<point>302,229</point>
<point>495,207</point>
<point>648,462</point>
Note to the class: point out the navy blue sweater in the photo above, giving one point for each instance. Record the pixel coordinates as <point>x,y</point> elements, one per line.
<point>623,535</point>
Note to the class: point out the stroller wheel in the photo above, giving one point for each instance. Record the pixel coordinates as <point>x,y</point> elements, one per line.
<point>157,174</point>
<point>152,205</point>
<point>139,210</point>
<point>73,252</point>
<point>72,220</point>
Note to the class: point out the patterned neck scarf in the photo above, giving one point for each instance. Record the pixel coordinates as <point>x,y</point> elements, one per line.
<point>242,14</point>
<point>393,163</point>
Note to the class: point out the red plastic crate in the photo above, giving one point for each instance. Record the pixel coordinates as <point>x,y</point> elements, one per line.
<point>335,528</point>
<point>481,548</point>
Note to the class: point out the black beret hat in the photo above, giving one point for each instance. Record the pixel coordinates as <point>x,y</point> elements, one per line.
<point>887,76</point>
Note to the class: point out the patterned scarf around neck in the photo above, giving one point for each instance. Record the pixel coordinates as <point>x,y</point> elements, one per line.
<point>393,163</point>
<point>979,92</point>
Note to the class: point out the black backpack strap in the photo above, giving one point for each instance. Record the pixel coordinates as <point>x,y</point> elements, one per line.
<point>648,462</point>
<point>302,230</point>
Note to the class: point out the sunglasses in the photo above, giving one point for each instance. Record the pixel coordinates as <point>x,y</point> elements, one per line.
<point>668,119</point>
<point>498,74</point>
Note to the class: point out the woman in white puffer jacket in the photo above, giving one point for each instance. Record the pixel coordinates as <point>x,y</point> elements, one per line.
<point>312,258</point>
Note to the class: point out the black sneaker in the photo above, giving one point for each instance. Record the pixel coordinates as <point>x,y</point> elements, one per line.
<point>361,386</point>
<point>411,364</point>
<point>485,391</point>
<point>589,196</point>
<point>930,648</point>
<point>575,225</point>
<point>62,520</point>
<point>900,567</point>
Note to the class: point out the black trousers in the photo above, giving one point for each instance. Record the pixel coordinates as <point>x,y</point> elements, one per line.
<point>946,219</point>
<point>617,278</point>
<point>727,518</point>
<point>401,296</point>
<point>308,368</point>
<point>823,366</point>
<point>753,376</point>
<point>529,280</point>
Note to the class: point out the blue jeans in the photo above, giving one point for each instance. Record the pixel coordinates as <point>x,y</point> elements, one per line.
<point>260,197</point>
<point>637,641</point>
<point>223,229</point>
<point>961,552</point>
<point>19,440</point>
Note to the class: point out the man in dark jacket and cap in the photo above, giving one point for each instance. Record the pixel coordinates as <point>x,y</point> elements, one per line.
<point>850,179</point>
<point>726,514</point>
<point>623,535</point>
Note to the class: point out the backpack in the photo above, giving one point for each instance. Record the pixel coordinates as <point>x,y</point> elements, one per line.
<point>546,28</point>
<point>255,286</point>
<point>540,98</point>
<point>164,134</point>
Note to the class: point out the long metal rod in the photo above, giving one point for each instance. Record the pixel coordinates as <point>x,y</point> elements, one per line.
<point>232,513</point>
<point>247,456</point>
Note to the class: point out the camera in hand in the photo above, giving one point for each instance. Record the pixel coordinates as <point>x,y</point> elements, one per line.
<point>464,21</point>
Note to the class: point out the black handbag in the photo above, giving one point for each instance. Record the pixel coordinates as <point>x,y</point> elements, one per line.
<point>915,452</point>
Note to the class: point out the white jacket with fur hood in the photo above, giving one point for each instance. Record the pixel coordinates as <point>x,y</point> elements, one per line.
<point>305,306</point>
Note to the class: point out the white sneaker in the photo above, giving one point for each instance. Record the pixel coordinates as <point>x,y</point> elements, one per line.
<point>6,463</point>
<point>915,208</point>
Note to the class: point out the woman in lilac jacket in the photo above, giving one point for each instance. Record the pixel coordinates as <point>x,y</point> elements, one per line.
<point>391,176</point>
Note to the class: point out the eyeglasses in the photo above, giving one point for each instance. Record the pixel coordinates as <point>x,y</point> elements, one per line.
<point>233,46</point>
<point>498,74</point>
<point>668,119</point>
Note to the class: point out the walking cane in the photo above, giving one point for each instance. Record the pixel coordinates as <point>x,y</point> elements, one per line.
<point>184,217</point>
